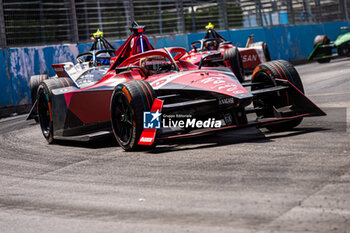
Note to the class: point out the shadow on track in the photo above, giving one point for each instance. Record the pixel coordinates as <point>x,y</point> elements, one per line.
<point>334,60</point>
<point>249,135</point>
<point>106,142</point>
<point>228,138</point>
<point>246,135</point>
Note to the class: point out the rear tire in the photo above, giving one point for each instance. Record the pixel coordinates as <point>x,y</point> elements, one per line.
<point>323,40</point>
<point>234,59</point>
<point>34,82</point>
<point>267,73</point>
<point>129,101</point>
<point>44,106</point>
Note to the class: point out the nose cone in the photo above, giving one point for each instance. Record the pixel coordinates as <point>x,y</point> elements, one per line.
<point>206,80</point>
<point>221,82</point>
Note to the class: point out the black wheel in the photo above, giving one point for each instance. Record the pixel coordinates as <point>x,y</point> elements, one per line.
<point>44,105</point>
<point>266,74</point>
<point>34,82</point>
<point>234,59</point>
<point>327,60</point>
<point>44,109</point>
<point>129,101</point>
<point>323,40</point>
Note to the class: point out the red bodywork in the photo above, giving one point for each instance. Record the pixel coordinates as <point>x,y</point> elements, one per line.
<point>77,111</point>
<point>92,104</point>
<point>136,43</point>
<point>252,55</point>
<point>92,107</point>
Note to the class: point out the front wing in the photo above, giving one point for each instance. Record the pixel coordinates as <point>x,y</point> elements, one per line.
<point>322,52</point>
<point>304,108</point>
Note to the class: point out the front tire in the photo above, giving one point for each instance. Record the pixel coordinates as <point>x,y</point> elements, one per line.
<point>266,74</point>
<point>234,60</point>
<point>129,101</point>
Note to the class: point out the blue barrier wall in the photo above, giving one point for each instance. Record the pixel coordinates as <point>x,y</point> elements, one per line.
<point>6,97</point>
<point>21,63</point>
<point>292,42</point>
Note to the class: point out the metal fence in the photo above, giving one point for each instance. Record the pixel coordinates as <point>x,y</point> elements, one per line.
<point>35,22</point>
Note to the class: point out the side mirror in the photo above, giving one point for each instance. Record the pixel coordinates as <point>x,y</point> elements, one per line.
<point>208,56</point>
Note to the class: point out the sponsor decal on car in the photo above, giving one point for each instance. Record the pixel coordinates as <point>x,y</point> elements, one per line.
<point>191,123</point>
<point>228,100</point>
<point>146,139</point>
<point>248,58</point>
<point>151,122</point>
<point>222,84</point>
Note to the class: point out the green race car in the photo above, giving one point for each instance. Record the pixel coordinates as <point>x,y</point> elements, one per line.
<point>324,50</point>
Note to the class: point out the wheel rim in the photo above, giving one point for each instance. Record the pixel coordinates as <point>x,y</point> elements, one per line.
<point>122,118</point>
<point>44,114</point>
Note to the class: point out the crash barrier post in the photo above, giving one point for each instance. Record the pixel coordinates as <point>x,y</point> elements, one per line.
<point>2,27</point>
<point>75,21</point>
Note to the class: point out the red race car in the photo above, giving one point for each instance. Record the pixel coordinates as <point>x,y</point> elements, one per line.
<point>240,60</point>
<point>155,95</point>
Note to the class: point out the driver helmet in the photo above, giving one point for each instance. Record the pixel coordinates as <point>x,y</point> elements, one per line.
<point>103,58</point>
<point>211,45</point>
<point>102,61</point>
<point>152,65</point>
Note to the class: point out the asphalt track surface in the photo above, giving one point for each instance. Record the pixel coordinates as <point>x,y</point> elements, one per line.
<point>238,181</point>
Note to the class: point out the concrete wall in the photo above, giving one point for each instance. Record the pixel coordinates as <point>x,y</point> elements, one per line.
<point>18,64</point>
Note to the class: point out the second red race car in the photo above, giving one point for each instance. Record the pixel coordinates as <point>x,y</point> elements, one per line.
<point>240,60</point>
